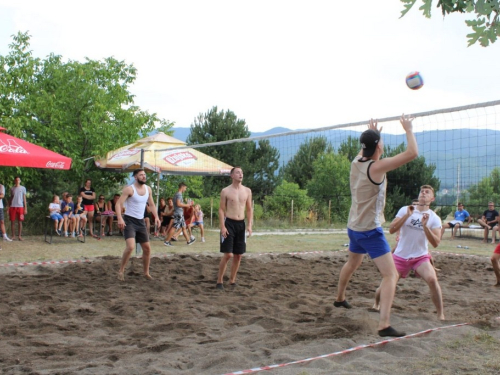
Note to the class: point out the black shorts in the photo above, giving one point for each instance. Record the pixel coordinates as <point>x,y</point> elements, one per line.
<point>236,240</point>
<point>135,228</point>
<point>166,220</point>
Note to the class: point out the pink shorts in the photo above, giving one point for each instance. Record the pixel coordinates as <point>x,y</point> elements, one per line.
<point>16,213</point>
<point>88,207</point>
<point>497,249</point>
<point>405,265</point>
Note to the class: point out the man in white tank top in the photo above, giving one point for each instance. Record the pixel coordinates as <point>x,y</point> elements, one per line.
<point>132,223</point>
<point>368,184</point>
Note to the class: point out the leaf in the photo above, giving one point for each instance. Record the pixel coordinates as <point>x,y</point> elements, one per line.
<point>426,8</point>
<point>408,4</point>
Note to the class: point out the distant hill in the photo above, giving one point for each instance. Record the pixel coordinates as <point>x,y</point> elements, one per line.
<point>472,153</point>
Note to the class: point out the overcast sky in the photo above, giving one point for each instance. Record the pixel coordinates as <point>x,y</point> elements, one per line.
<point>296,64</point>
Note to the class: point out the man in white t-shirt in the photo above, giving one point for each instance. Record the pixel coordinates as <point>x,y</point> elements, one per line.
<point>418,226</point>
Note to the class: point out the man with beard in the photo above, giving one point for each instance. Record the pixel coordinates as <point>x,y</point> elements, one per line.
<point>132,222</point>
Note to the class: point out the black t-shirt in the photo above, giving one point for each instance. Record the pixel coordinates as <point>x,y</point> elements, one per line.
<point>490,215</point>
<point>87,202</point>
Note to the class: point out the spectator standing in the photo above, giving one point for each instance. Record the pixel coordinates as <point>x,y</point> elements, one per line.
<point>198,221</point>
<point>179,221</point>
<point>2,219</point>
<point>87,192</point>
<point>17,207</point>
<point>489,220</point>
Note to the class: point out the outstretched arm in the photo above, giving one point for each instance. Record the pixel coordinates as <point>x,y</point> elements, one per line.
<point>385,165</point>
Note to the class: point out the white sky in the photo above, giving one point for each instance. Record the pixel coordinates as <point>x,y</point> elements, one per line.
<point>296,64</point>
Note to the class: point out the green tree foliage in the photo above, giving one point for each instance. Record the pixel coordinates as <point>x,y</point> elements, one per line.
<point>298,169</point>
<point>350,148</point>
<point>259,161</point>
<point>488,189</point>
<point>330,181</point>
<point>404,182</point>
<point>486,26</point>
<point>279,205</point>
<point>78,109</point>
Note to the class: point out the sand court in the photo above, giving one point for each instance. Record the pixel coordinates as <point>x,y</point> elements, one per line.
<point>79,319</point>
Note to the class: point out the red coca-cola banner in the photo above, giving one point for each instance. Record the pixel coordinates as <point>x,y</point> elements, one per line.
<point>16,152</point>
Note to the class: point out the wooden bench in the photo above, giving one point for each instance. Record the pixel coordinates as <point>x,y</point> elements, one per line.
<point>49,231</point>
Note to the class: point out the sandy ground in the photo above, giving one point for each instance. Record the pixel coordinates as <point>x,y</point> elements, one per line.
<point>79,319</point>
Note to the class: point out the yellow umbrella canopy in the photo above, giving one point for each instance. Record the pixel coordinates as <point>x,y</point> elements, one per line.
<point>152,153</point>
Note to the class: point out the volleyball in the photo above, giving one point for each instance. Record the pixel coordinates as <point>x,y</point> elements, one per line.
<point>414,80</point>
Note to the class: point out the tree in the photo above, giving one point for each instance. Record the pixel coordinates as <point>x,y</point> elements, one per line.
<point>78,109</point>
<point>259,161</point>
<point>298,169</point>
<point>486,26</point>
<point>280,203</point>
<point>330,181</point>
<point>350,148</point>
<point>404,182</point>
<point>488,189</point>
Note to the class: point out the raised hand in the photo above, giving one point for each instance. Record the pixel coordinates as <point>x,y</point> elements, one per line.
<point>373,125</point>
<point>406,121</point>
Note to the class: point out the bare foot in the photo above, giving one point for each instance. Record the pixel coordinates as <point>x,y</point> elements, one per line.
<point>375,307</point>
<point>497,284</point>
<point>148,277</point>
<point>120,276</point>
<point>20,238</point>
<point>441,317</point>
<point>437,269</point>
<point>485,241</point>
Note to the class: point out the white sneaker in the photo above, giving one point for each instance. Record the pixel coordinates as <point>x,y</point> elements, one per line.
<point>202,239</point>
<point>193,238</point>
<point>73,235</point>
<point>5,238</point>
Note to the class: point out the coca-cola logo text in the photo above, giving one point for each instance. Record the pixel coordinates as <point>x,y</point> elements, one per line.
<point>55,165</point>
<point>12,147</point>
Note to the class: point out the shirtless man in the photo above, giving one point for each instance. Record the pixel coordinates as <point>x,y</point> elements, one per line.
<point>132,222</point>
<point>234,201</point>
<point>419,226</point>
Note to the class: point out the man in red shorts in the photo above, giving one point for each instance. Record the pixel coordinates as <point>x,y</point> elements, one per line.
<point>87,193</point>
<point>17,206</point>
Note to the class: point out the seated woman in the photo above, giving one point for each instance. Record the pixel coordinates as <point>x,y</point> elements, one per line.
<point>166,214</point>
<point>55,214</point>
<point>81,217</point>
<point>111,210</point>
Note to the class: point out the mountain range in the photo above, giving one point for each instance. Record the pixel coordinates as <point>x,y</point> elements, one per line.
<point>464,155</point>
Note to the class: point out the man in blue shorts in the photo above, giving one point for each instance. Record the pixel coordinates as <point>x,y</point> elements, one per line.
<point>234,201</point>
<point>366,216</point>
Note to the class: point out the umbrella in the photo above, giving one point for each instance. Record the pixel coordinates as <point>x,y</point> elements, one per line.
<point>16,152</point>
<point>152,153</point>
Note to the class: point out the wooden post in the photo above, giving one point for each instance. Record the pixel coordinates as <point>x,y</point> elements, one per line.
<point>329,211</point>
<point>291,214</point>
<point>211,212</point>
